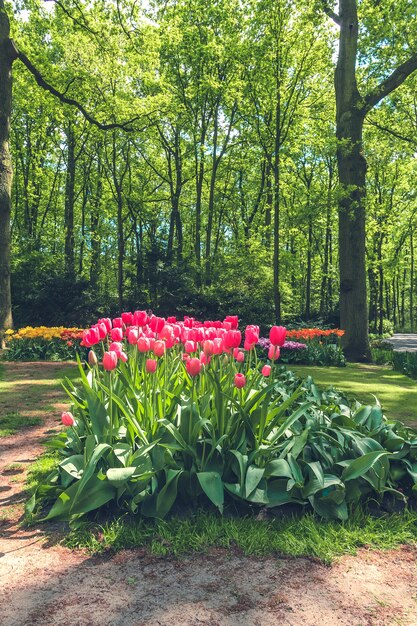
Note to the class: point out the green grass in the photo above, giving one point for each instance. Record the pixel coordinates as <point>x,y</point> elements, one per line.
<point>40,469</point>
<point>11,423</point>
<point>294,536</point>
<point>397,393</point>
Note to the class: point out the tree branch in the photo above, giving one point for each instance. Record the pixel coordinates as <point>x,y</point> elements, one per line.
<point>398,76</point>
<point>334,16</point>
<point>392,132</point>
<point>126,126</point>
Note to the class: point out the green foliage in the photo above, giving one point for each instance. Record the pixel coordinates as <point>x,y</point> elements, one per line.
<point>145,443</point>
<point>405,362</point>
<point>316,353</point>
<point>42,350</point>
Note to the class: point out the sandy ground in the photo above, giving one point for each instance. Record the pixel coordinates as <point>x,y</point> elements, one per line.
<point>45,584</point>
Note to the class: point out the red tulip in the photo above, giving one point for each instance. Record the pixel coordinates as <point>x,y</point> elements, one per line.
<point>273,353</point>
<point>67,418</point>
<point>266,370</point>
<point>144,344</point>
<point>116,334</point>
<point>110,360</point>
<point>159,348</point>
<point>193,366</point>
<point>150,365</point>
<point>277,335</point>
<point>240,380</point>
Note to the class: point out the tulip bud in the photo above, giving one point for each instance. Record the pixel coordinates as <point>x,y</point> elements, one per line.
<point>159,348</point>
<point>67,418</point>
<point>92,358</point>
<point>266,370</point>
<point>239,380</point>
<point>273,353</point>
<point>150,365</point>
<point>193,366</point>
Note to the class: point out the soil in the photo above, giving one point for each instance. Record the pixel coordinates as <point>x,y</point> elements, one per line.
<point>44,584</point>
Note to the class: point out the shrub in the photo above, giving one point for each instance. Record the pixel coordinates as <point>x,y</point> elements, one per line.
<point>405,362</point>
<point>173,415</point>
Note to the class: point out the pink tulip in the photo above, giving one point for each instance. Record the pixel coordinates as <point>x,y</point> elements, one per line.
<point>239,380</point>
<point>116,334</point>
<point>252,334</point>
<point>67,418</point>
<point>190,346</point>
<point>156,323</point>
<point>240,357</point>
<point>144,344</point>
<point>117,322</point>
<point>193,366</point>
<point>123,356</point>
<point>132,336</point>
<point>150,365</point>
<point>208,347</point>
<point>159,348</point>
<point>107,322</point>
<point>277,335</point>
<point>140,318</point>
<point>91,337</point>
<point>116,347</point>
<point>273,353</point>
<point>233,320</point>
<point>110,360</point>
<point>127,319</point>
<point>102,330</point>
<point>217,345</point>
<point>266,370</point>
<point>232,339</point>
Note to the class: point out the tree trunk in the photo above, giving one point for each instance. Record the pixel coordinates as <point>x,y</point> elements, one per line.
<point>7,56</point>
<point>352,171</point>
<point>69,204</point>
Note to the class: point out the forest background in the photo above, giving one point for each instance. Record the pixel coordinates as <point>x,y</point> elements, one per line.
<point>210,184</point>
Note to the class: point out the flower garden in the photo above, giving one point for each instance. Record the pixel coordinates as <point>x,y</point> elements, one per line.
<point>171,415</point>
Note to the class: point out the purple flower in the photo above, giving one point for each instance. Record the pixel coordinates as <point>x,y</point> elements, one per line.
<point>288,345</point>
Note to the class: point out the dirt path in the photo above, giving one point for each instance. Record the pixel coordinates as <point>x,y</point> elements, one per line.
<point>403,342</point>
<point>44,584</point>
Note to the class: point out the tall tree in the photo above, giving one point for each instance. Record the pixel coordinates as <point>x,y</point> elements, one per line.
<point>352,106</point>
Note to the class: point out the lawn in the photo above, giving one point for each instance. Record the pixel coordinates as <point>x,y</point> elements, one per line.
<point>396,393</point>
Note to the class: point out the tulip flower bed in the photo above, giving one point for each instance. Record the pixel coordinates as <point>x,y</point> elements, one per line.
<point>177,414</point>
<point>313,346</point>
<point>43,343</point>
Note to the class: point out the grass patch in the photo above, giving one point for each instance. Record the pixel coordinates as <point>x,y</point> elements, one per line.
<point>11,423</point>
<point>396,393</point>
<point>293,536</point>
<point>40,469</point>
